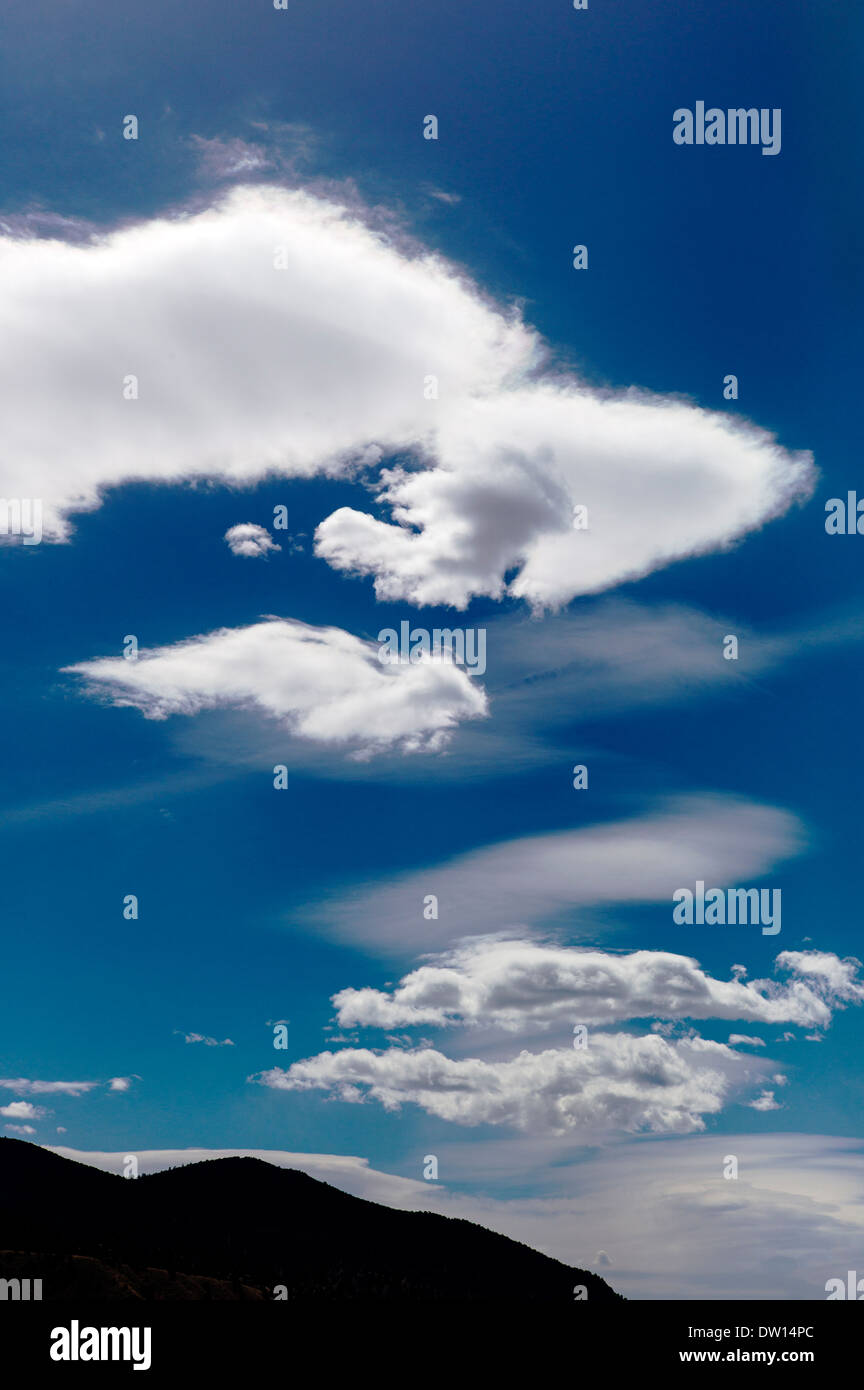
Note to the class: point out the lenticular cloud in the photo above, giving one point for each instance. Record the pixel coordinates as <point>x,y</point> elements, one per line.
<point>278,332</point>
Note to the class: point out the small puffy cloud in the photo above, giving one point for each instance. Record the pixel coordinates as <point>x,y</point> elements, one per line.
<point>250,540</point>
<point>324,684</point>
<point>21,1110</point>
<point>514,984</point>
<point>623,1083</point>
<point>302,342</point>
<point>764,1101</point>
<point>20,1129</point>
<point>741,1040</point>
<point>120,1083</point>
<point>208,1042</point>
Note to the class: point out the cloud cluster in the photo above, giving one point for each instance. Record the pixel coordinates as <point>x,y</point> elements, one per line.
<point>324,684</point>
<point>514,984</point>
<point>653,1083</point>
<point>278,332</point>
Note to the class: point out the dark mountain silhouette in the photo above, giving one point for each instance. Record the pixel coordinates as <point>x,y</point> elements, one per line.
<point>238,1227</point>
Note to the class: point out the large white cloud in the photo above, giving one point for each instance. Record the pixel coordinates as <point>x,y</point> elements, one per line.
<point>271,332</point>
<point>620,1082</point>
<point>323,683</point>
<point>278,332</point>
<point>514,984</point>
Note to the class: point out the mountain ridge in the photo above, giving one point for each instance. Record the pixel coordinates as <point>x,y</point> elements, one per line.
<point>238,1227</point>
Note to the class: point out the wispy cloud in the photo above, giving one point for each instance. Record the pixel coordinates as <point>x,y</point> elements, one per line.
<point>23,1087</point>
<point>546,878</point>
<point>203,1038</point>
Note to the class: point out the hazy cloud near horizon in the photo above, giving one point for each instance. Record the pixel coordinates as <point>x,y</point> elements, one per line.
<point>668,1221</point>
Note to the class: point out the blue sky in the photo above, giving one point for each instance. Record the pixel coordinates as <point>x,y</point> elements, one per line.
<point>257,905</point>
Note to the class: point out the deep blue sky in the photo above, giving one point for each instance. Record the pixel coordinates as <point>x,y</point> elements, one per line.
<point>555,128</point>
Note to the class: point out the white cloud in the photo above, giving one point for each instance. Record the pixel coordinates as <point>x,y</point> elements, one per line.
<point>20,1129</point>
<point>764,1101</point>
<point>250,540</point>
<point>827,972</point>
<point>515,984</point>
<point>592,662</point>
<point>21,1110</point>
<point>245,369</point>
<point>120,1083</point>
<point>661,480</point>
<point>619,1083</point>
<point>326,685</point>
<point>722,840</point>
